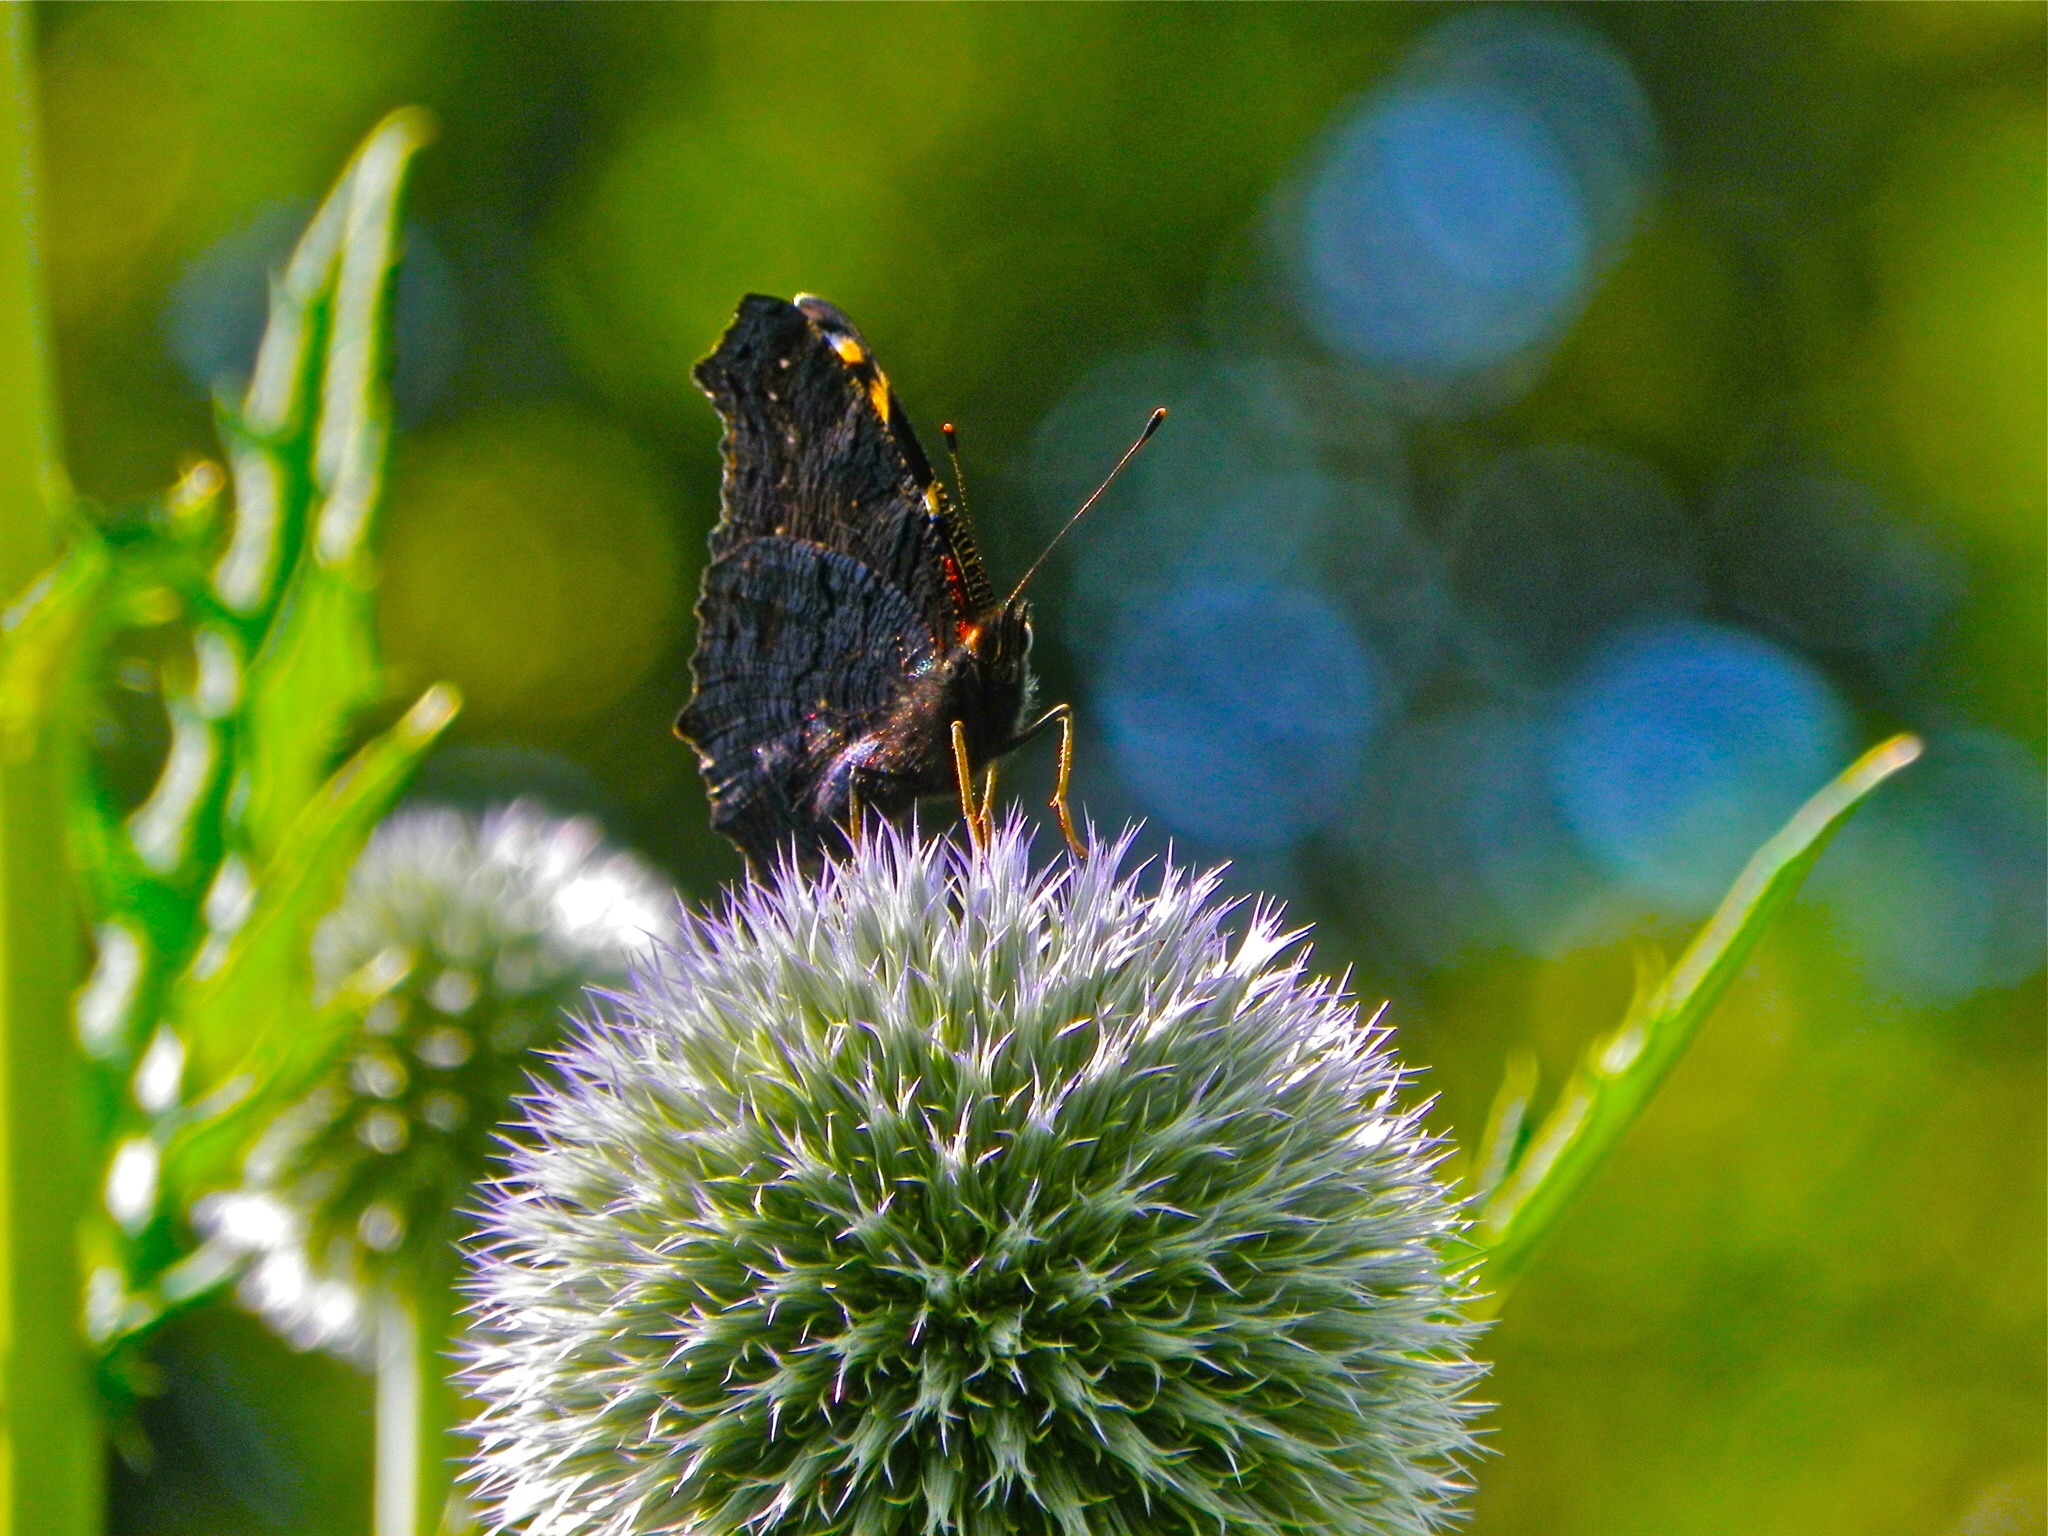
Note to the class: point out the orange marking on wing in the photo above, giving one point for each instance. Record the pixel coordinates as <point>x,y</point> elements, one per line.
<point>858,363</point>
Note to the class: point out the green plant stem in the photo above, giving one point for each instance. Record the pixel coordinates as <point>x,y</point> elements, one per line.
<point>416,1410</point>
<point>1622,1073</point>
<point>50,1449</point>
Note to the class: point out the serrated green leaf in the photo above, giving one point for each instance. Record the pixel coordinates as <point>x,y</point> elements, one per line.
<point>314,676</point>
<point>206,896</point>
<point>1621,1073</point>
<point>315,669</point>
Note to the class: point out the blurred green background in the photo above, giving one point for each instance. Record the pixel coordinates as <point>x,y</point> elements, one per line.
<point>1590,426</point>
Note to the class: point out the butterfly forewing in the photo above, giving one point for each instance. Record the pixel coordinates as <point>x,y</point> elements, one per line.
<point>810,453</point>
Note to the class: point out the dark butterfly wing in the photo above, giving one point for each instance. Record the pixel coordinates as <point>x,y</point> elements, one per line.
<point>800,652</point>
<point>818,447</point>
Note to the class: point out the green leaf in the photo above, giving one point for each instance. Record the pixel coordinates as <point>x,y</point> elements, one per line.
<point>315,669</point>
<point>204,897</point>
<point>1506,1124</point>
<point>1621,1073</point>
<point>244,1024</point>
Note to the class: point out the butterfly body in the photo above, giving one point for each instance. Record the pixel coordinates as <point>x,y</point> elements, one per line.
<point>846,626</point>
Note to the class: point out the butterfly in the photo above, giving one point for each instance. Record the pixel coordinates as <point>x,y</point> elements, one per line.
<point>851,654</point>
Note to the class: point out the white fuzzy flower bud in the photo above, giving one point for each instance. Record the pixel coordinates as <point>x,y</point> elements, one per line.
<point>472,935</point>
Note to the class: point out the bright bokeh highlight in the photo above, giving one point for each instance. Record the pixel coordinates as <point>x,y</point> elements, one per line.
<point>1239,714</point>
<point>1682,746</point>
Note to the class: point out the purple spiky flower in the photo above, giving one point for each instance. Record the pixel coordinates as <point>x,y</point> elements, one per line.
<point>942,1194</point>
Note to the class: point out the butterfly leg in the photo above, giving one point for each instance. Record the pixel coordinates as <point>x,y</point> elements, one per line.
<point>988,803</point>
<point>1064,714</point>
<point>1059,790</point>
<point>963,771</point>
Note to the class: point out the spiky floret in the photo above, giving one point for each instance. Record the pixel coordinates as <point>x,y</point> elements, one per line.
<point>937,1194</point>
<point>465,939</point>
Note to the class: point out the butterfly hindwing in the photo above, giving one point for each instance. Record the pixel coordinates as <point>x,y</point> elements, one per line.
<point>798,654</point>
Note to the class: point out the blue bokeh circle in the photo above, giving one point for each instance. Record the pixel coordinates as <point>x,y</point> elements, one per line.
<point>1682,746</point>
<point>1239,714</point>
<point>1443,232</point>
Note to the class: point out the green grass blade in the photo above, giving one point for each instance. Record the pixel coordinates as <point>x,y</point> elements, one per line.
<point>1620,1074</point>
<point>1506,1124</point>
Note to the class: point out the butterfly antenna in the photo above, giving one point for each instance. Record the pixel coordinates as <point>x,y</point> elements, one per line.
<point>1108,480</point>
<point>953,453</point>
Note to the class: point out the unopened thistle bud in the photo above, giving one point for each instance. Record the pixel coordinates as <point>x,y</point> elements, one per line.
<point>941,1195</point>
<point>470,937</point>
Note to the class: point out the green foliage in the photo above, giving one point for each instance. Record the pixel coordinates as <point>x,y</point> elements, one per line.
<point>1525,1186</point>
<point>202,898</point>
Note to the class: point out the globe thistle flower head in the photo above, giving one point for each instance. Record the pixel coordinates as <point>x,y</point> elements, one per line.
<point>468,937</point>
<point>939,1194</point>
